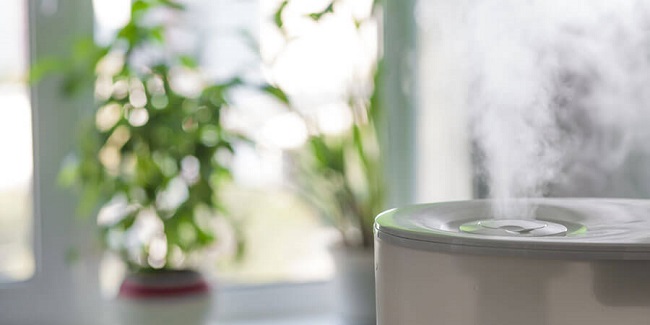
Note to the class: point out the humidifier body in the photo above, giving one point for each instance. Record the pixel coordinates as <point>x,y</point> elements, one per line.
<point>577,261</point>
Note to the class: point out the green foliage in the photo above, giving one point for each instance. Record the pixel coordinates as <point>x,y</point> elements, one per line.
<point>318,15</point>
<point>277,17</point>
<point>341,175</point>
<point>148,138</point>
<point>276,92</point>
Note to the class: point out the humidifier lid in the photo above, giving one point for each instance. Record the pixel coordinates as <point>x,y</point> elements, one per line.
<point>583,228</point>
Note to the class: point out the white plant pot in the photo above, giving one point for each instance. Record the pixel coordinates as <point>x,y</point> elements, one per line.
<point>179,298</point>
<point>355,285</point>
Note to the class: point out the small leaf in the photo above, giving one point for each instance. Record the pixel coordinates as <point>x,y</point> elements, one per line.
<point>328,157</point>
<point>276,92</point>
<point>69,171</point>
<point>188,61</point>
<point>318,15</point>
<point>84,48</point>
<point>277,17</point>
<point>44,67</point>
<point>88,200</point>
<point>158,34</point>
<point>375,107</point>
<point>172,4</point>
<point>139,7</point>
<point>129,33</point>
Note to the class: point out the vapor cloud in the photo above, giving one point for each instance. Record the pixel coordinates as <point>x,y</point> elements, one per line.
<point>559,98</point>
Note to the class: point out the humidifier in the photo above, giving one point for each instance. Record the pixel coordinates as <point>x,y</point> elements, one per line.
<point>573,261</point>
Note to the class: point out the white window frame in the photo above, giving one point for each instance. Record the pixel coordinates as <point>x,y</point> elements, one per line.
<point>399,99</point>
<point>48,297</point>
<point>68,294</point>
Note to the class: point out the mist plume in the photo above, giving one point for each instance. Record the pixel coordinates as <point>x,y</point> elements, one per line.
<point>559,97</point>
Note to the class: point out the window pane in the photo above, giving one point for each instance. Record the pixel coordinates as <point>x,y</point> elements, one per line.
<point>16,222</point>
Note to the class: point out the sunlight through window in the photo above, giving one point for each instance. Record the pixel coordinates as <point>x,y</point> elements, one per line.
<point>16,165</point>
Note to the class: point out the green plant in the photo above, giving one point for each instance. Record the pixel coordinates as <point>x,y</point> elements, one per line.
<point>341,174</point>
<point>154,155</point>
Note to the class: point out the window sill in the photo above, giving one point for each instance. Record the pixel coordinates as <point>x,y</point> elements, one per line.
<point>325,319</point>
<point>308,303</point>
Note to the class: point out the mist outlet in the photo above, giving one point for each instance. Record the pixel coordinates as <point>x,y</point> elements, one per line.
<point>514,228</point>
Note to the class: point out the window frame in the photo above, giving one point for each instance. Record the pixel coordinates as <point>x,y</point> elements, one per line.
<point>42,298</point>
<point>399,99</point>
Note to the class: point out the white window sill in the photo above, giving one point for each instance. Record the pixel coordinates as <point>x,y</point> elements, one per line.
<point>294,320</point>
<point>277,304</point>
<point>285,301</point>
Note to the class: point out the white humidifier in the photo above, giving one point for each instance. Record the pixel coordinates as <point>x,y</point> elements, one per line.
<point>576,262</point>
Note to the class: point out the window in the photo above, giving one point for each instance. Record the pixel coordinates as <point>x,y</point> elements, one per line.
<point>431,158</point>
<point>444,155</point>
<point>16,251</point>
<point>57,284</point>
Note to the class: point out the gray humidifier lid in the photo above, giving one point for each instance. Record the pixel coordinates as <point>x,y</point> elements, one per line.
<point>560,228</point>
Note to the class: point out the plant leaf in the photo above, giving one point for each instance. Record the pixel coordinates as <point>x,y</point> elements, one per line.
<point>316,16</point>
<point>188,61</point>
<point>277,17</point>
<point>44,67</point>
<point>276,93</point>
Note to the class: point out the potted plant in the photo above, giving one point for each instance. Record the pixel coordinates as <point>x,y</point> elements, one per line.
<point>340,175</point>
<point>153,159</point>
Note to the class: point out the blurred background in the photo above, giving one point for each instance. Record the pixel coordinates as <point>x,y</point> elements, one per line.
<point>311,95</point>
<point>222,161</point>
<point>225,30</point>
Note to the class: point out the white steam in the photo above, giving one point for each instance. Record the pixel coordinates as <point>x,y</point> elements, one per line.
<point>559,95</point>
